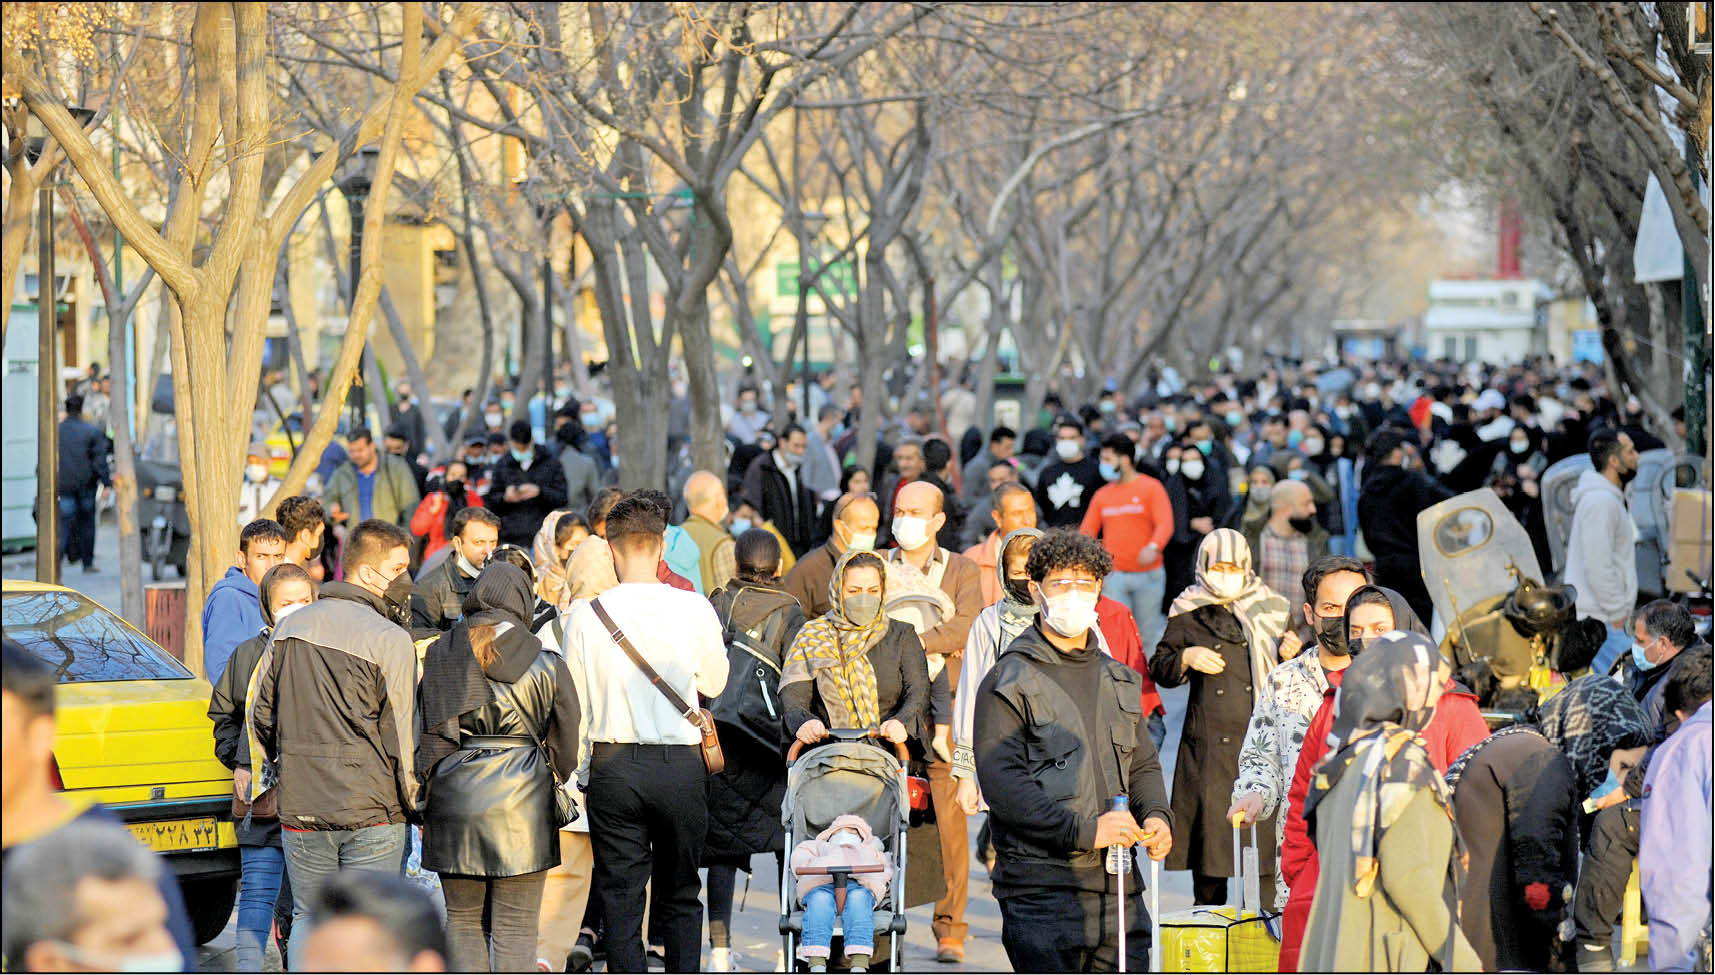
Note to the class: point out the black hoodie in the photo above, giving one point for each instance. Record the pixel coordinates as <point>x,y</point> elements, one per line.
<point>1040,715</point>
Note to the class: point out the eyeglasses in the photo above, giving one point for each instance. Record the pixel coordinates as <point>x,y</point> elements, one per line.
<point>1056,587</point>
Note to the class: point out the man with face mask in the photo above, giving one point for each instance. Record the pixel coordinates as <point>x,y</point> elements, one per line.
<point>774,486</point>
<point>1291,539</point>
<point>343,670</point>
<point>437,599</point>
<point>1600,544</point>
<point>857,519</point>
<point>1071,478</point>
<point>749,420</point>
<point>259,485</point>
<point>1051,767</point>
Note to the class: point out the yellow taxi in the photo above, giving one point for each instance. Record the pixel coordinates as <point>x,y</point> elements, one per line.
<point>133,734</point>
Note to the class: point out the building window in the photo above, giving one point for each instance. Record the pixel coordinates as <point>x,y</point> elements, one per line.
<point>1470,348</point>
<point>1449,348</point>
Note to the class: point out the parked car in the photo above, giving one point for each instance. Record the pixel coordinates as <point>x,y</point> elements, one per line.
<point>133,734</point>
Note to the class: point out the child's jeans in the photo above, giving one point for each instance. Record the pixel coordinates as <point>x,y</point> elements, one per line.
<point>858,921</point>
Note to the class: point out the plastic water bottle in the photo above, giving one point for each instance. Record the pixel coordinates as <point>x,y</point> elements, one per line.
<point>1119,857</point>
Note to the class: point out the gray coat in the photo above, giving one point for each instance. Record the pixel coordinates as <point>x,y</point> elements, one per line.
<point>583,478</point>
<point>1407,919</point>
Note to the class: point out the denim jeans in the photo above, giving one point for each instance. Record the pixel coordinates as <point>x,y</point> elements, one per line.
<point>1141,592</point>
<point>1618,643</point>
<point>313,856</point>
<point>857,921</point>
<point>507,941</point>
<point>258,889</point>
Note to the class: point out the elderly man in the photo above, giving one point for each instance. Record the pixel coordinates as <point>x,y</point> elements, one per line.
<point>1290,540</point>
<point>940,594</point>
<point>856,519</point>
<point>705,499</point>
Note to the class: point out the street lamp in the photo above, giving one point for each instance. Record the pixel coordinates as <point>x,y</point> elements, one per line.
<point>355,177</point>
<point>47,375</point>
<point>813,223</point>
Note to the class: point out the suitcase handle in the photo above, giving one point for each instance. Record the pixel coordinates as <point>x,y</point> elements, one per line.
<point>1250,891</point>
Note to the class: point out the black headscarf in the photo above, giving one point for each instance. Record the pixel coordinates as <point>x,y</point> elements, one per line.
<point>454,683</point>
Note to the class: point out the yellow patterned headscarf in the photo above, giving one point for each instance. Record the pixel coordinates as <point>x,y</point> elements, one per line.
<point>833,651</point>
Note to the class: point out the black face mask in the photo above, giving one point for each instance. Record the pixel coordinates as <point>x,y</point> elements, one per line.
<point>1303,526</point>
<point>1018,590</point>
<point>398,598</point>
<point>1356,646</point>
<point>455,489</point>
<point>1627,476</point>
<point>1331,634</point>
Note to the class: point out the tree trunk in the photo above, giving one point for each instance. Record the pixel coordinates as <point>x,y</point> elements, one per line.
<point>419,383</point>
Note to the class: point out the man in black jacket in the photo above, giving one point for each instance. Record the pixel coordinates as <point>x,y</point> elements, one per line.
<point>528,484</point>
<point>335,710</point>
<point>437,598</point>
<point>774,486</point>
<point>1388,504</point>
<point>83,468</point>
<point>1065,486</point>
<point>1058,733</point>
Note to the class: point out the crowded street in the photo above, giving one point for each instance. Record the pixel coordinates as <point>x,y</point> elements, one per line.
<point>825,487</point>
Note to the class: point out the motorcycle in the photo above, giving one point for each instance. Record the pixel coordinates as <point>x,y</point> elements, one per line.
<point>166,524</point>
<point>1504,623</point>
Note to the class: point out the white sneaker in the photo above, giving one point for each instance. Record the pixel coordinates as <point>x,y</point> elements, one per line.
<point>720,960</point>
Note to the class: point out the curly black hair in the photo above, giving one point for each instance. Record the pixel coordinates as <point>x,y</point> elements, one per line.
<point>1063,548</point>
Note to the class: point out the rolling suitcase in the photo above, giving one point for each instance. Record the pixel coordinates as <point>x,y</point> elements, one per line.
<point>1224,939</point>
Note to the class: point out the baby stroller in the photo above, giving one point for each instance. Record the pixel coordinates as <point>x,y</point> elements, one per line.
<point>850,773</point>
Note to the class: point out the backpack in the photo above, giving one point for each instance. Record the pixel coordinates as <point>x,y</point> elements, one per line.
<point>750,705</point>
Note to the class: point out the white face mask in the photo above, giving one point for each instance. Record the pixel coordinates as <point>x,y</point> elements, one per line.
<point>282,612</point>
<point>1226,584</point>
<point>163,961</point>
<point>847,837</point>
<point>256,473</point>
<point>910,533</point>
<point>1070,613</point>
<point>1068,449</point>
<point>861,542</point>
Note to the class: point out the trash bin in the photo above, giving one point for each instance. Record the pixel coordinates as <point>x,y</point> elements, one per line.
<point>164,616</point>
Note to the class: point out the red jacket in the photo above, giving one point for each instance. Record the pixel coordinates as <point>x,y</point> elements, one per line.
<point>671,578</point>
<point>1456,726</point>
<point>1119,628</point>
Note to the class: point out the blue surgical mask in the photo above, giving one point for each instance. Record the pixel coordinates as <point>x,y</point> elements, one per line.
<point>1109,471</point>
<point>740,526</point>
<point>1294,438</point>
<point>1169,424</point>
<point>1639,658</point>
<point>1298,474</point>
<point>1234,418</point>
<point>1606,789</point>
<point>1206,446</point>
<point>521,456</point>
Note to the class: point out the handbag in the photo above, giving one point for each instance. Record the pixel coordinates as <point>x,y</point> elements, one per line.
<point>700,718</point>
<point>266,806</point>
<point>565,807</point>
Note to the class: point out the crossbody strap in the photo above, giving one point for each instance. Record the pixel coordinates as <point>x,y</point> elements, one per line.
<point>689,713</point>
<point>524,719</point>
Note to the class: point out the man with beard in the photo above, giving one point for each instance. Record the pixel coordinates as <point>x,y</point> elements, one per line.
<point>1599,546</point>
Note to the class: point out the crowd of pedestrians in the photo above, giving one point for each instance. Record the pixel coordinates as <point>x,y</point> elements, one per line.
<point>485,672</point>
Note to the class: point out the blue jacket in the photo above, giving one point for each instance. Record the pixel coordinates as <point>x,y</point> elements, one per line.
<point>1674,845</point>
<point>232,614</point>
<point>683,556</point>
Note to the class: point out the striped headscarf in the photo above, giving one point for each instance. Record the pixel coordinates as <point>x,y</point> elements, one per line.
<point>833,651</point>
<point>1387,698</point>
<point>550,571</point>
<point>1261,611</point>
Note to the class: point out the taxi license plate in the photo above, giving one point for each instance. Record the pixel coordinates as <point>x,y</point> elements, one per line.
<point>179,835</point>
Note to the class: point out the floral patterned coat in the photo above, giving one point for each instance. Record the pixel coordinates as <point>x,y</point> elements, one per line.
<point>1292,693</point>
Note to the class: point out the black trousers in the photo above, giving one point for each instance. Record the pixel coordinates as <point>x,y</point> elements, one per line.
<point>649,812</point>
<point>1602,879</point>
<point>1057,929</point>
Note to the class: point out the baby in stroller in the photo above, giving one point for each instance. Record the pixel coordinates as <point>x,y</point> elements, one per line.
<point>844,870</point>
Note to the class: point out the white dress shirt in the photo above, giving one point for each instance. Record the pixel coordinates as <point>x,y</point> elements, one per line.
<point>677,632</point>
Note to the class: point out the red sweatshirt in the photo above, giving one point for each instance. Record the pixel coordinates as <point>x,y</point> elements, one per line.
<point>1456,726</point>
<point>1119,628</point>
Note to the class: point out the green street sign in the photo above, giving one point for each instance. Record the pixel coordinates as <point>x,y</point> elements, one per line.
<point>840,278</point>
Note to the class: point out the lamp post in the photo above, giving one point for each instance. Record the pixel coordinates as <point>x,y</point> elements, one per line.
<point>47,360</point>
<point>357,174</point>
<point>813,224</point>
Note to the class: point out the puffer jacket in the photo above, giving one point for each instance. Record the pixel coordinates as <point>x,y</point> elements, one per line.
<point>489,806</point>
<point>335,710</point>
<point>823,852</point>
<point>1045,783</point>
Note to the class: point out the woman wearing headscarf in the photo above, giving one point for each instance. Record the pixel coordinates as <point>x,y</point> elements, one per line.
<point>853,667</point>
<point>760,621</point>
<point>1516,796</point>
<point>1221,636</point>
<point>490,692</point>
<point>1387,897</point>
<point>1455,725</point>
<point>991,633</point>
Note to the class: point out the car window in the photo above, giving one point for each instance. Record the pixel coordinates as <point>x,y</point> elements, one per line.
<point>81,641</point>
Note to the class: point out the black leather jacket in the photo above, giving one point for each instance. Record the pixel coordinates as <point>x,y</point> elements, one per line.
<point>490,805</point>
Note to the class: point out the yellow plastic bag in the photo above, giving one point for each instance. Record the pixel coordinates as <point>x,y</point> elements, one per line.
<point>1217,939</point>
